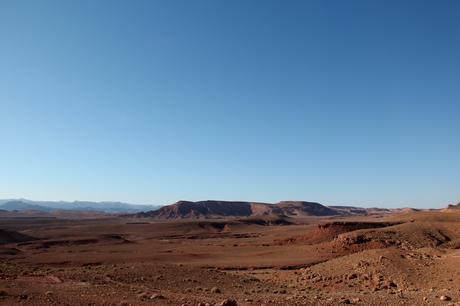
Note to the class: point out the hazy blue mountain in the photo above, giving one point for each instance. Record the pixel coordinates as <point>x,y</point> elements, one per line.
<point>20,205</point>
<point>48,206</point>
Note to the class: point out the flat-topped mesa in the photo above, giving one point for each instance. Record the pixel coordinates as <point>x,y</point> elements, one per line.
<point>212,208</point>
<point>204,209</point>
<point>302,208</point>
<point>220,209</point>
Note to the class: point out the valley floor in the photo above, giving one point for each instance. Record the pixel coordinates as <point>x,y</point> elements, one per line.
<point>404,259</point>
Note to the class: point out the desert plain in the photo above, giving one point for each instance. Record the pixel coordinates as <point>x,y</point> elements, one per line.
<point>405,257</point>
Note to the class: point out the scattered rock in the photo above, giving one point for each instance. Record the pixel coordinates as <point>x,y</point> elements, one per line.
<point>215,290</point>
<point>54,279</point>
<point>228,302</point>
<point>157,296</point>
<point>143,295</point>
<point>23,297</point>
<point>445,298</point>
<point>352,276</point>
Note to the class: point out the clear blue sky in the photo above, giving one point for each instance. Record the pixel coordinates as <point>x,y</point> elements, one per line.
<point>340,102</point>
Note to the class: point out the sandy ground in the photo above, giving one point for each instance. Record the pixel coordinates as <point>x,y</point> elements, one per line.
<point>404,259</point>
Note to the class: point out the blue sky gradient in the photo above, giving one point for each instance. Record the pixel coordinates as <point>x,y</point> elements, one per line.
<point>340,102</point>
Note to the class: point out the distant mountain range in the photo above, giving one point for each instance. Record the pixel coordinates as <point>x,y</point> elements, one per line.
<point>50,206</point>
<point>201,209</point>
<point>221,209</point>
